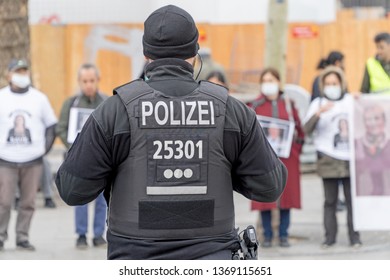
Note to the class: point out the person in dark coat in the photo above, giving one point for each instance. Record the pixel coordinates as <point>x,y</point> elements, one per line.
<point>169,181</point>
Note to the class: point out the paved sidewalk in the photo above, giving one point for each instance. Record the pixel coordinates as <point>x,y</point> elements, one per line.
<point>52,231</point>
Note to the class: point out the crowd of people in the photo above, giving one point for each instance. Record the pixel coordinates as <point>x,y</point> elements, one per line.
<point>161,157</point>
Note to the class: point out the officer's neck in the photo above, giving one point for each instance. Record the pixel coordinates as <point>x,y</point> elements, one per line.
<point>170,67</point>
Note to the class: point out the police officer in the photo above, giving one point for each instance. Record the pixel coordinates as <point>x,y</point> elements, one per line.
<point>168,153</point>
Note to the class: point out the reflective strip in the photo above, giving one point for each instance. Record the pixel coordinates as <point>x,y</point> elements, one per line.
<point>171,190</point>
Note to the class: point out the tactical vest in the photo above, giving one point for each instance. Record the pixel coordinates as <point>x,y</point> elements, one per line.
<point>176,181</point>
<point>379,79</point>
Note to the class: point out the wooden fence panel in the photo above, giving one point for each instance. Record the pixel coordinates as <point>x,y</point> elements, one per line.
<point>58,51</point>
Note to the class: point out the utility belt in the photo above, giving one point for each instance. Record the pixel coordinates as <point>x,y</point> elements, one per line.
<point>248,245</point>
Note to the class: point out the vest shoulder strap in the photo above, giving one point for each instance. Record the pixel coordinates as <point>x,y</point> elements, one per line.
<point>216,91</point>
<point>133,90</point>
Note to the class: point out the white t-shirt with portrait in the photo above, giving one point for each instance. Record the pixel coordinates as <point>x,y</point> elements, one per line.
<point>327,133</point>
<point>24,118</point>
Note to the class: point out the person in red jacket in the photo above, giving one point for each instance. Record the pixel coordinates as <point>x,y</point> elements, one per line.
<point>273,103</point>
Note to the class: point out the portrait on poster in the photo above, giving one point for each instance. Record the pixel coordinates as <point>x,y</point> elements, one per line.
<point>370,161</point>
<point>372,147</point>
<point>279,134</point>
<point>77,119</point>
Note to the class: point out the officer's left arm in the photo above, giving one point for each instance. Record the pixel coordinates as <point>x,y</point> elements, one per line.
<point>257,173</point>
<point>260,175</point>
<point>102,145</point>
<point>84,173</point>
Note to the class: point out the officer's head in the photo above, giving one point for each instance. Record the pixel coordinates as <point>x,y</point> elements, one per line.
<point>18,74</point>
<point>382,42</point>
<point>170,32</point>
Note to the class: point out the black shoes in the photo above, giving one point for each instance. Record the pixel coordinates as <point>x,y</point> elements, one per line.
<point>25,246</point>
<point>49,203</point>
<point>356,243</point>
<point>21,245</point>
<point>81,242</point>
<point>267,243</point>
<point>99,242</point>
<point>327,244</point>
<point>283,242</point>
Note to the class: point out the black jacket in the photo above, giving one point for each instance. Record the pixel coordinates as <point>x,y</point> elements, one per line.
<point>104,144</point>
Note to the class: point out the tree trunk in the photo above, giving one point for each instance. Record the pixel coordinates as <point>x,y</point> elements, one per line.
<point>14,34</point>
<point>276,37</point>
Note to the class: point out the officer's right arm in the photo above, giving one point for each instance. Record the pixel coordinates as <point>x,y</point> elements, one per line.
<point>257,172</point>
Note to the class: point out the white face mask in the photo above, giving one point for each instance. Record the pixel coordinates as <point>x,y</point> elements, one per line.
<point>332,92</point>
<point>20,81</point>
<point>269,89</point>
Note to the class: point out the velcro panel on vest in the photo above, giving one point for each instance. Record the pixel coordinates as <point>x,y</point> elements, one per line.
<point>176,214</point>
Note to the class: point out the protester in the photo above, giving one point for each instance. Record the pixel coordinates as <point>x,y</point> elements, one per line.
<point>272,102</point>
<point>218,78</point>
<point>168,153</point>
<point>322,119</point>
<point>335,58</point>
<point>27,133</point>
<point>45,186</point>
<point>82,104</point>
<point>376,77</point>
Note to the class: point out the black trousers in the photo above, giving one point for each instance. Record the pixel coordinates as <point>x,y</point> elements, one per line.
<point>331,191</point>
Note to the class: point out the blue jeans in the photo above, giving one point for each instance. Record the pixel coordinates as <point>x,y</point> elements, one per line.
<point>283,225</point>
<point>99,220</point>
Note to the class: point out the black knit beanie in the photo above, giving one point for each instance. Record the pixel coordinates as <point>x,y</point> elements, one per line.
<point>170,32</point>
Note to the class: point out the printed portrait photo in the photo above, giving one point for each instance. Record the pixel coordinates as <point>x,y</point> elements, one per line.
<point>279,134</point>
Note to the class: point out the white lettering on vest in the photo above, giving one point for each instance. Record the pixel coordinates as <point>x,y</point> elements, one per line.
<point>183,113</point>
<point>146,113</point>
<point>189,116</point>
<point>202,112</point>
<point>173,121</point>
<point>165,112</point>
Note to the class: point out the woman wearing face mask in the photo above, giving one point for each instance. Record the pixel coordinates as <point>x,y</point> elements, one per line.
<point>272,103</point>
<point>322,119</point>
